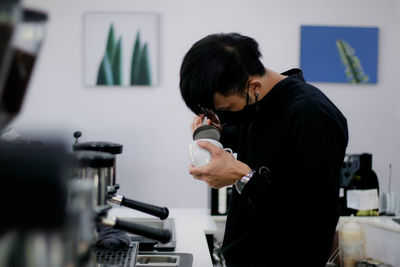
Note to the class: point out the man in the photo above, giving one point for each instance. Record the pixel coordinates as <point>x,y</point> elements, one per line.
<point>290,141</point>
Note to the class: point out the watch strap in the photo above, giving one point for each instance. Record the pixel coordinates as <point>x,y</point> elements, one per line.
<point>241,183</point>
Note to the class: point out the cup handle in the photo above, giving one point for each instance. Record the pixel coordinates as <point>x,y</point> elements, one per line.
<point>191,154</point>
<point>228,150</point>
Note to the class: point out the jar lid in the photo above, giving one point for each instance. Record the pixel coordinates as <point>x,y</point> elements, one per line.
<point>206,132</point>
<point>93,159</point>
<point>108,147</point>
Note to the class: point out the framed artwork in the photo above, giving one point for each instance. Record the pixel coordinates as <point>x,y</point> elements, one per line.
<point>339,54</point>
<point>121,49</point>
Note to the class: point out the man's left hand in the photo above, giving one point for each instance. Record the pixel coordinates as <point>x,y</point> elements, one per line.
<point>222,170</point>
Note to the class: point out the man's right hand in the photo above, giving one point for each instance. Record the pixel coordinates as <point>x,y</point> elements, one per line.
<point>197,122</point>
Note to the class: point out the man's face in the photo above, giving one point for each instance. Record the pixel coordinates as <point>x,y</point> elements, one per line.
<point>233,102</point>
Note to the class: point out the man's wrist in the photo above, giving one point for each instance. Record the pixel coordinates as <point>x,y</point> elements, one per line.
<point>243,170</point>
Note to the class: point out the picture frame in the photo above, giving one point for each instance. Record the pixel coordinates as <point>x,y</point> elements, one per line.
<point>121,49</point>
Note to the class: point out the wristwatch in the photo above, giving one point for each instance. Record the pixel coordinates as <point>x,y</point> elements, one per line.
<point>241,183</point>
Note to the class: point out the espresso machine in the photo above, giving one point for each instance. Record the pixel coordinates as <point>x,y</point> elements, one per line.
<point>49,215</point>
<point>47,220</point>
<point>96,167</point>
<point>34,223</point>
<point>112,187</point>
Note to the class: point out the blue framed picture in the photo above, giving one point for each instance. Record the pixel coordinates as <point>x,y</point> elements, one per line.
<point>339,54</point>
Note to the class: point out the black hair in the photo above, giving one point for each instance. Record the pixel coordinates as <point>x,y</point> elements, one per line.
<point>218,63</point>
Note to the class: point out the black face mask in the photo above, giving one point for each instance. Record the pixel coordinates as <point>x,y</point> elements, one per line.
<point>241,117</point>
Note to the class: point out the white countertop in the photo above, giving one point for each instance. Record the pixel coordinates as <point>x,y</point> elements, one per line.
<point>383,222</point>
<point>191,227</point>
<point>381,237</point>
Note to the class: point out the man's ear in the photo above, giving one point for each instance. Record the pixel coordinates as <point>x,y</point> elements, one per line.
<point>255,85</point>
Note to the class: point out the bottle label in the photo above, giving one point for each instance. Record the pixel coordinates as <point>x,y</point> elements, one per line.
<point>362,199</point>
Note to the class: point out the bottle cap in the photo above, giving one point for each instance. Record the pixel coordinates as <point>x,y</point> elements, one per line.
<point>351,232</point>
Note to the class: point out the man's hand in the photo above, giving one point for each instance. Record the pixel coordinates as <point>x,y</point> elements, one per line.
<point>212,119</point>
<point>197,122</point>
<point>222,170</point>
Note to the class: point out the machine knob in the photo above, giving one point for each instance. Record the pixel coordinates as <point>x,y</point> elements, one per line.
<point>77,134</point>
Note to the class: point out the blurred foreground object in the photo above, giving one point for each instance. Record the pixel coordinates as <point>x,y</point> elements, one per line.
<point>21,35</point>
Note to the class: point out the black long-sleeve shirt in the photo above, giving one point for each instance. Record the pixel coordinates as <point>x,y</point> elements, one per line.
<point>287,213</point>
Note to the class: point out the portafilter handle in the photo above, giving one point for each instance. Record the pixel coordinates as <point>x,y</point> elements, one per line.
<point>162,235</point>
<point>161,212</point>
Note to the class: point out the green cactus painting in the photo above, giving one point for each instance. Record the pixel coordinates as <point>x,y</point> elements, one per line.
<point>121,49</point>
<point>353,68</point>
<point>140,64</point>
<point>110,69</point>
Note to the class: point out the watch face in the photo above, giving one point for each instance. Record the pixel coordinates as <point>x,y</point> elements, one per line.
<point>240,185</point>
<point>238,188</point>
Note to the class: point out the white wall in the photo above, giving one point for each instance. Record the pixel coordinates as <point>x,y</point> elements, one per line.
<point>153,123</point>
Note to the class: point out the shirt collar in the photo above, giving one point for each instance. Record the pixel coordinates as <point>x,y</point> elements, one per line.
<point>273,98</point>
<point>295,74</point>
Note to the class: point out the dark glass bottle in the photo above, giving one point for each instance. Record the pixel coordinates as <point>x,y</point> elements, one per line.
<point>363,179</point>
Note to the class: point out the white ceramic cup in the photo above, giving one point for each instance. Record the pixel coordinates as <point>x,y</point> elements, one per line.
<point>201,156</point>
